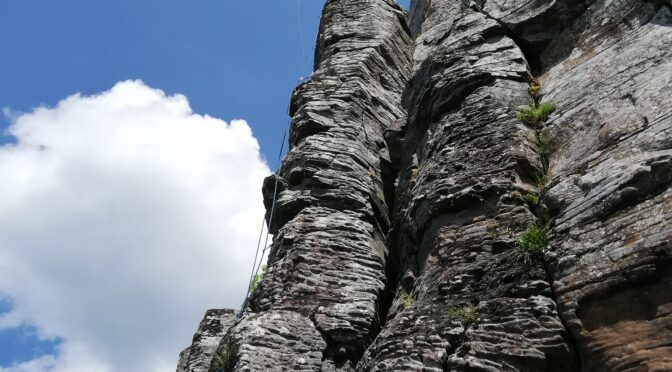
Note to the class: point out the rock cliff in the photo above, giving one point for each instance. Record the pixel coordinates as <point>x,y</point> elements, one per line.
<point>471,186</point>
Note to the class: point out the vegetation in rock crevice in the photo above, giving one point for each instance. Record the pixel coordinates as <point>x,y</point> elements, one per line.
<point>221,358</point>
<point>406,299</point>
<point>466,315</point>
<point>257,279</point>
<point>535,238</point>
<point>536,114</point>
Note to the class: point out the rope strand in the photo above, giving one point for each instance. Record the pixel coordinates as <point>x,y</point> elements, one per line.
<point>256,266</point>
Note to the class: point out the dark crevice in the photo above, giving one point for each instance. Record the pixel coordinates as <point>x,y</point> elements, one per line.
<point>542,217</point>
<point>335,351</point>
<point>568,336</point>
<point>531,52</point>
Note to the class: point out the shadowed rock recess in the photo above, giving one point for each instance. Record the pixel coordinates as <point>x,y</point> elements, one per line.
<point>411,185</point>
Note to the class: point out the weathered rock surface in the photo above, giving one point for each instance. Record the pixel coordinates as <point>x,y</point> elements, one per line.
<point>326,276</point>
<point>611,253</point>
<point>477,301</point>
<point>198,357</point>
<point>410,181</point>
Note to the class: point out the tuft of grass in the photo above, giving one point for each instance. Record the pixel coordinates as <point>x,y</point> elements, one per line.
<point>257,279</point>
<point>542,179</point>
<point>534,239</point>
<point>531,199</point>
<point>535,115</point>
<point>466,314</point>
<point>406,299</point>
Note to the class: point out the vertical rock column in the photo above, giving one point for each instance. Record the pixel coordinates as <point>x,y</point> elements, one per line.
<point>317,307</point>
<point>468,300</point>
<point>610,194</point>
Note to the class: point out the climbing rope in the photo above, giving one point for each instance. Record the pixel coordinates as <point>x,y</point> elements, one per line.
<point>259,259</point>
<point>257,265</point>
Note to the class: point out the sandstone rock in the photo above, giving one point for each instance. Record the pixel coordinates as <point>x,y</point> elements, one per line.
<point>198,356</point>
<point>409,183</point>
<point>611,255</point>
<point>327,262</point>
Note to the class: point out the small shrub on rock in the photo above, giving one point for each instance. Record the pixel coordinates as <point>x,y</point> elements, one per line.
<point>533,240</point>
<point>406,299</point>
<point>257,279</point>
<point>535,115</point>
<point>531,199</point>
<point>466,314</point>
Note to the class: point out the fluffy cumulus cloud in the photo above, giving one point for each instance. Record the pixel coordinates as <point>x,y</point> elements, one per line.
<point>123,217</point>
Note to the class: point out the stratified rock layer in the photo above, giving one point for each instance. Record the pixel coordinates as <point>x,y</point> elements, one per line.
<point>477,303</point>
<point>611,253</point>
<point>198,357</point>
<point>410,181</point>
<point>320,299</point>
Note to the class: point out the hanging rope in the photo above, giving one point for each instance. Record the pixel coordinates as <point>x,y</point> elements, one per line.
<point>258,260</point>
<point>249,283</point>
<point>256,266</point>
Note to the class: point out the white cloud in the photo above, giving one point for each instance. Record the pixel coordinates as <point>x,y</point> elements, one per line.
<point>123,217</point>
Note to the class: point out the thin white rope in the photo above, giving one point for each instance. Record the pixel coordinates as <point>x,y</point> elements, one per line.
<point>261,233</point>
<point>256,266</point>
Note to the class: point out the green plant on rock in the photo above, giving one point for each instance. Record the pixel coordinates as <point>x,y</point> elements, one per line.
<point>541,179</point>
<point>221,357</point>
<point>534,239</point>
<point>257,279</point>
<point>406,299</point>
<point>543,141</point>
<point>535,115</point>
<point>531,198</point>
<point>466,314</point>
<point>535,87</point>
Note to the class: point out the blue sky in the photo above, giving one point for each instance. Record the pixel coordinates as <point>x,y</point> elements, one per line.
<point>233,59</point>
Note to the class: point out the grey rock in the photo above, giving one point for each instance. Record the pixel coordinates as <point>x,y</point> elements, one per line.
<point>211,330</point>
<point>409,182</point>
<point>482,305</point>
<point>327,263</point>
<point>271,341</point>
<point>611,256</point>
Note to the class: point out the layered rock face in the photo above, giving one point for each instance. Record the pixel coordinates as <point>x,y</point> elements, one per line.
<point>318,306</point>
<point>198,357</point>
<point>411,182</point>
